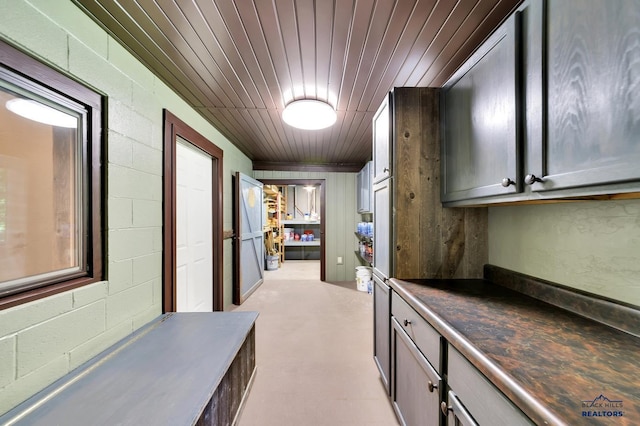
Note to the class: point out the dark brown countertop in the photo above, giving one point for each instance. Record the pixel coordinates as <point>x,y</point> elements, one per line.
<point>548,361</point>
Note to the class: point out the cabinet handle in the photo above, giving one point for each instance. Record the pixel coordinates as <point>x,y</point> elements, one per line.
<point>531,179</point>
<point>460,413</point>
<point>407,322</point>
<point>385,170</point>
<point>431,386</point>
<point>506,182</point>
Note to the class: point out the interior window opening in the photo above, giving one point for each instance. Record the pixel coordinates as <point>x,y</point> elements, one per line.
<point>50,182</point>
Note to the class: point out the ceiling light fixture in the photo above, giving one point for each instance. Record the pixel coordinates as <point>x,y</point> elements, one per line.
<point>41,113</point>
<point>309,114</point>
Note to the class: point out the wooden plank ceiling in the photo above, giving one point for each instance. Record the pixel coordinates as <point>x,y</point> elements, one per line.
<point>240,62</point>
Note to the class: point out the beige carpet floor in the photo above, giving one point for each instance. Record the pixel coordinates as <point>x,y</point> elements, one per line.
<point>314,357</point>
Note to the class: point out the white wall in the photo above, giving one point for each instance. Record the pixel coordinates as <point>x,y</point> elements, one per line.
<point>43,340</point>
<point>593,246</point>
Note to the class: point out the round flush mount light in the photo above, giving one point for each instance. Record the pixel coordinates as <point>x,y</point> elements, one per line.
<point>41,113</point>
<point>309,114</point>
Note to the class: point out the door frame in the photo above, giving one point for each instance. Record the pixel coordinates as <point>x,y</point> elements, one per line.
<point>315,182</point>
<point>174,127</point>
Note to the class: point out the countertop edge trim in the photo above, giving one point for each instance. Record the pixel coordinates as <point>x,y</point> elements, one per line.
<point>505,383</point>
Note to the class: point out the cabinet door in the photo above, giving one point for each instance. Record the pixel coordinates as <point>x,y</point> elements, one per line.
<point>364,189</point>
<point>382,330</point>
<point>416,385</point>
<point>480,145</point>
<point>593,95</point>
<point>359,191</point>
<point>477,393</point>
<point>382,140</point>
<point>382,229</point>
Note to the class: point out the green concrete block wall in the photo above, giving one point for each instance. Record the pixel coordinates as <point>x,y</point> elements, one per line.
<point>43,340</point>
<point>592,246</point>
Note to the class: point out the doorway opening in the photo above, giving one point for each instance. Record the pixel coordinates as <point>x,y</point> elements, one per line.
<point>192,258</point>
<point>305,218</point>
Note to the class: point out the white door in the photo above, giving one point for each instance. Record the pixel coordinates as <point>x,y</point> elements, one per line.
<point>194,233</point>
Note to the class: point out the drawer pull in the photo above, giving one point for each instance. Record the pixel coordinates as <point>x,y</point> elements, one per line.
<point>431,386</point>
<point>444,408</point>
<point>407,322</point>
<point>462,416</point>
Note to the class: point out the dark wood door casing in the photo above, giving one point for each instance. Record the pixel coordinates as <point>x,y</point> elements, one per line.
<point>174,127</point>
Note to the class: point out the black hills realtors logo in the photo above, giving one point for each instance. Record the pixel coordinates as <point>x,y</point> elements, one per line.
<point>602,406</point>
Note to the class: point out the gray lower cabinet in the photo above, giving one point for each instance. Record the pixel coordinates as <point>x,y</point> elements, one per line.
<point>432,383</point>
<point>415,382</point>
<point>382,330</point>
<point>474,399</point>
<point>457,414</point>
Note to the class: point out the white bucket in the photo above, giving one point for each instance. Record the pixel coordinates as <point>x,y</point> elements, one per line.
<point>272,263</point>
<point>363,278</point>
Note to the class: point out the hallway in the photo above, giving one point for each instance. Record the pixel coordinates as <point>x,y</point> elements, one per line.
<point>314,357</point>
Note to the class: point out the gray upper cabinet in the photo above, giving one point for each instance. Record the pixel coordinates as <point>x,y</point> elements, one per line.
<point>570,126</point>
<point>480,116</point>
<point>593,97</point>
<point>382,141</point>
<point>363,186</point>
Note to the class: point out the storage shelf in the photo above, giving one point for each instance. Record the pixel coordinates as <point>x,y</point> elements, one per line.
<point>300,222</point>
<point>368,259</point>
<point>362,237</point>
<point>294,243</point>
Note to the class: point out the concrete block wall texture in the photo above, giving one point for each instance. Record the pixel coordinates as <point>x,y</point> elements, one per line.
<point>43,340</point>
<point>592,246</point>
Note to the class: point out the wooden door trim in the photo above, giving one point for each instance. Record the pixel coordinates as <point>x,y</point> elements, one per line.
<point>321,183</point>
<point>174,127</point>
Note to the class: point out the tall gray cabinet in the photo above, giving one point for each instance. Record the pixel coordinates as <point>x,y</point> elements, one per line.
<point>414,236</point>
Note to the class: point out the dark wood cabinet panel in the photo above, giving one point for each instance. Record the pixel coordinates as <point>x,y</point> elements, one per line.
<point>414,236</point>
<point>480,121</point>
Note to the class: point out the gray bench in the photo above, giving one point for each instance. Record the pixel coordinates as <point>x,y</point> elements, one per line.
<point>182,369</point>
